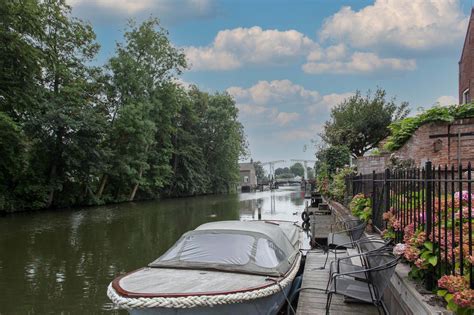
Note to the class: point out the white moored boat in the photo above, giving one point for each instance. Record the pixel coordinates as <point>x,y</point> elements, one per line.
<point>227,267</point>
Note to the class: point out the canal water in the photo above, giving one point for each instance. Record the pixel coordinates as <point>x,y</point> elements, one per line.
<point>60,262</point>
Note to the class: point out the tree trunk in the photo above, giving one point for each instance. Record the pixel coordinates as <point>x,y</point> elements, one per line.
<point>103,182</point>
<point>52,174</point>
<point>135,188</point>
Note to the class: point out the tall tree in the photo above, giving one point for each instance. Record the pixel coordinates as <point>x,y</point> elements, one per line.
<point>297,169</point>
<point>141,110</point>
<point>188,163</point>
<point>361,122</point>
<point>69,102</point>
<point>259,171</point>
<point>333,157</point>
<point>225,142</point>
<point>21,32</point>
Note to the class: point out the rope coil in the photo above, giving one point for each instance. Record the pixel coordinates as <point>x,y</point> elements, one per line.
<point>201,300</point>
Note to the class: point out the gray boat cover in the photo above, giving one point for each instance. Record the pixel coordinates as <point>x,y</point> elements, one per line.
<point>253,247</point>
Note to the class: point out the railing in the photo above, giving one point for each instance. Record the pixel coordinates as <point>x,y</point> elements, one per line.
<point>435,200</point>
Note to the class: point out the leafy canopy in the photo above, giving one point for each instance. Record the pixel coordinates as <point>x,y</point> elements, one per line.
<point>334,157</point>
<point>361,122</point>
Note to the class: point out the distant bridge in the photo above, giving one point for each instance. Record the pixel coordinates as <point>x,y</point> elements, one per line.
<point>271,166</point>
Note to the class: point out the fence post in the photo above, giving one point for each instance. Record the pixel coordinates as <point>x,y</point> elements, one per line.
<point>386,190</point>
<point>429,214</point>
<point>373,193</point>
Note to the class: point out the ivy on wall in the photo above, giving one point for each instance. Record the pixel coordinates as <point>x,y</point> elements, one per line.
<point>402,130</point>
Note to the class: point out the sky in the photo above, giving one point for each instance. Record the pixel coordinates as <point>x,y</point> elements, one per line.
<point>287,63</point>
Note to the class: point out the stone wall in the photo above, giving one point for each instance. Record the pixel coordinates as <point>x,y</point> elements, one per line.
<point>368,164</point>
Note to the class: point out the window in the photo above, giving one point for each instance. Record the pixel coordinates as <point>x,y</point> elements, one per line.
<point>268,255</point>
<point>246,179</point>
<point>466,96</point>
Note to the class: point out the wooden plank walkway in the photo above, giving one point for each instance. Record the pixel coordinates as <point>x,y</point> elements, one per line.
<point>312,302</point>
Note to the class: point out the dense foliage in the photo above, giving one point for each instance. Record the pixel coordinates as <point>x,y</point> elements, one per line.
<point>76,134</point>
<point>259,172</point>
<point>401,131</point>
<point>297,169</point>
<point>333,157</point>
<point>361,122</point>
<point>361,207</point>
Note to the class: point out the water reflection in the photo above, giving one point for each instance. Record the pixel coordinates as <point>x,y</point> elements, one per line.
<point>62,261</point>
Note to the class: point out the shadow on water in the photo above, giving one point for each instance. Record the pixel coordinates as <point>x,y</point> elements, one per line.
<point>62,262</point>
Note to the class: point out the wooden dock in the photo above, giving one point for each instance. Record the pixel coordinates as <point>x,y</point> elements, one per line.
<point>312,302</point>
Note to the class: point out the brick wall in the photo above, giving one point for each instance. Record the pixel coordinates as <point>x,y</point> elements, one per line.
<point>431,143</point>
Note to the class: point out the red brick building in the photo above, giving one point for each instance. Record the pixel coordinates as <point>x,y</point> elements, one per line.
<point>466,64</point>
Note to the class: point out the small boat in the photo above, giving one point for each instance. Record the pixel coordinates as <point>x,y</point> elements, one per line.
<point>225,267</point>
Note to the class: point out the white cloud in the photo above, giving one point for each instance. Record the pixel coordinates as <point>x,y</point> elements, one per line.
<point>233,48</point>
<point>334,52</point>
<point>166,10</point>
<point>122,6</point>
<point>207,58</point>
<point>284,118</point>
<point>248,109</point>
<point>329,101</point>
<point>446,100</point>
<point>301,133</point>
<point>282,101</point>
<point>277,92</point>
<point>406,24</point>
<point>359,62</point>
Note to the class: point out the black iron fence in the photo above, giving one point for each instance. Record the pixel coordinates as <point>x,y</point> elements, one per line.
<point>428,205</point>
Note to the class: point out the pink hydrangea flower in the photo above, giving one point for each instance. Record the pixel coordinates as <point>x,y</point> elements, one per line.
<point>453,283</point>
<point>464,298</point>
<point>399,249</point>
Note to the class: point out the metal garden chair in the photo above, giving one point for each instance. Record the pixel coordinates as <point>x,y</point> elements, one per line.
<point>357,261</point>
<point>345,238</point>
<point>379,270</point>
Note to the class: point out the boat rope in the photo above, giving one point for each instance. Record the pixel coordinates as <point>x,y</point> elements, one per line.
<point>201,300</point>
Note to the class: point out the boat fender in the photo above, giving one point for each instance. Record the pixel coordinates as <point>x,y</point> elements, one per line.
<point>304,216</point>
<point>305,225</point>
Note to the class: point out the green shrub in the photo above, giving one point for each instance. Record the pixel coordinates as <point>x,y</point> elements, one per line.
<point>361,207</point>
<point>337,187</point>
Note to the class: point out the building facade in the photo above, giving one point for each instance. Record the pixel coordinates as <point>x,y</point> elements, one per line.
<point>466,65</point>
<point>248,177</point>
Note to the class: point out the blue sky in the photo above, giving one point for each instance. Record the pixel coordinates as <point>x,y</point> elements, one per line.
<point>288,62</point>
